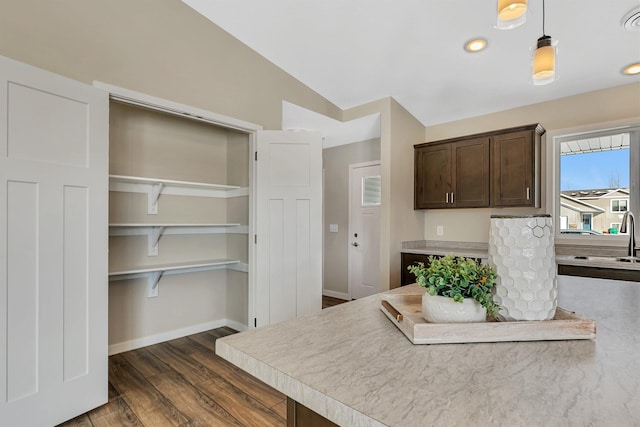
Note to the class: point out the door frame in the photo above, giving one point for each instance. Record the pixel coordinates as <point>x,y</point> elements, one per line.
<point>139,99</point>
<point>353,166</point>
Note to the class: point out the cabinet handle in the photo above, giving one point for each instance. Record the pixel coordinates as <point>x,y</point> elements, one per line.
<point>447,198</point>
<point>451,197</point>
<point>528,193</point>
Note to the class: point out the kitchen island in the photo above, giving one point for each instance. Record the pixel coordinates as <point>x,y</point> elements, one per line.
<point>351,365</point>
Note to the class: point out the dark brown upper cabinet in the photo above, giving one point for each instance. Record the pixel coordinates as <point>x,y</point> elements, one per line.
<point>449,175</point>
<point>492,169</point>
<point>515,169</point>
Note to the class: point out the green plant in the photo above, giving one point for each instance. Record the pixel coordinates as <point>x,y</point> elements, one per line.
<point>458,278</point>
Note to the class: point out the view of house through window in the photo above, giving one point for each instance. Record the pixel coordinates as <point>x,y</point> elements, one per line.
<point>595,183</point>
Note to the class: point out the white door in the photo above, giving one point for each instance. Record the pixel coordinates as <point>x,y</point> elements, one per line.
<point>53,246</point>
<point>288,225</point>
<point>364,229</point>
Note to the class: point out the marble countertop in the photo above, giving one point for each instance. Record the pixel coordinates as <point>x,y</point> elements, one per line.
<point>351,365</point>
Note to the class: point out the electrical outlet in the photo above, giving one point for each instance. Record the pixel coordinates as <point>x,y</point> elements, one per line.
<point>333,228</point>
<point>440,230</point>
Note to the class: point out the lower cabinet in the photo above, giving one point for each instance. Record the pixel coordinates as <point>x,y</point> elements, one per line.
<point>406,277</point>
<point>300,416</point>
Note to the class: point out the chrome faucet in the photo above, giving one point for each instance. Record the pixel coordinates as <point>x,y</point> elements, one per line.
<point>632,232</point>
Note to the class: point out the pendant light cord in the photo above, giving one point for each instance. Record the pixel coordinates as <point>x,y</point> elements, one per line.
<point>543,33</point>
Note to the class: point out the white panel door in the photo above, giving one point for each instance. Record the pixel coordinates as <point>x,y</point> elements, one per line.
<point>364,229</point>
<point>288,225</point>
<point>53,246</point>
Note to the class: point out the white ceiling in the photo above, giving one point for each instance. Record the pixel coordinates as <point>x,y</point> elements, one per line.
<point>334,132</point>
<point>357,51</point>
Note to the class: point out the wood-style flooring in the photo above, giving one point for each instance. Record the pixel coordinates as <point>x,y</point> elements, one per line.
<point>183,383</point>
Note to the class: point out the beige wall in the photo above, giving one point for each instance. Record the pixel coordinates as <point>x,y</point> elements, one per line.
<point>152,144</point>
<point>585,110</point>
<point>159,47</point>
<point>399,131</point>
<point>165,49</point>
<point>336,163</point>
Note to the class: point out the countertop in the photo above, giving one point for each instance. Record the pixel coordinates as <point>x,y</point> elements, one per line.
<point>351,365</point>
<point>480,250</point>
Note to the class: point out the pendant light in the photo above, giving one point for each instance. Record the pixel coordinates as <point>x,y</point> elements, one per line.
<point>511,14</point>
<point>544,58</point>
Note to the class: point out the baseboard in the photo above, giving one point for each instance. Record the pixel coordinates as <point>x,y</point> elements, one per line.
<point>334,294</point>
<point>171,335</point>
<point>240,327</point>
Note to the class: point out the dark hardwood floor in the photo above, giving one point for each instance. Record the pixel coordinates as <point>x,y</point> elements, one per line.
<point>183,383</point>
<point>331,301</point>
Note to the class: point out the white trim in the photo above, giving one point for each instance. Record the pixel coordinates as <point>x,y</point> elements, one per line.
<point>334,294</point>
<point>552,144</point>
<point>170,335</point>
<point>240,327</point>
<point>186,111</point>
<point>618,200</point>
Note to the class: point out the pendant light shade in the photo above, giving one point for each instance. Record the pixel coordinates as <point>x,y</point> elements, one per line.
<point>511,13</point>
<point>544,61</point>
<point>544,58</point>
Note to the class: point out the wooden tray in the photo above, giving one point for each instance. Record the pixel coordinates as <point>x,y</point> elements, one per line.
<point>405,311</point>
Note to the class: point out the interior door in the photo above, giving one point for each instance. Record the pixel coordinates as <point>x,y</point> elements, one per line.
<point>364,230</point>
<point>53,246</point>
<point>288,225</point>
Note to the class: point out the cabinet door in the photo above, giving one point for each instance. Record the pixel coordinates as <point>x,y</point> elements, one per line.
<point>470,169</point>
<point>406,277</point>
<point>513,181</point>
<point>432,176</point>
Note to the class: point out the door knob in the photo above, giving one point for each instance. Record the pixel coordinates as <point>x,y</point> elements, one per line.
<point>355,244</point>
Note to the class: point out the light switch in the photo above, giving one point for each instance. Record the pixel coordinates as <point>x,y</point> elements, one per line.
<point>333,228</point>
<point>440,230</point>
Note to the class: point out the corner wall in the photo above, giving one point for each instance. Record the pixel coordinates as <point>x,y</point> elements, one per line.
<point>336,163</point>
<point>399,132</point>
<point>158,47</point>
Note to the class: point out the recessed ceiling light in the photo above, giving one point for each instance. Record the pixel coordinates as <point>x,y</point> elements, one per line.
<point>475,45</point>
<point>632,69</point>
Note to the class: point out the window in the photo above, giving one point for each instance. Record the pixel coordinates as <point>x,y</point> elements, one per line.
<point>619,205</point>
<point>371,186</point>
<point>599,177</point>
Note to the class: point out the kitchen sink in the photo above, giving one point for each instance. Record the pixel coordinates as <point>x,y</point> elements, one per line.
<point>608,259</point>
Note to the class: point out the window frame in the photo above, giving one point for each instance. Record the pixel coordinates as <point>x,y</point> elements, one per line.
<point>618,200</point>
<point>553,138</point>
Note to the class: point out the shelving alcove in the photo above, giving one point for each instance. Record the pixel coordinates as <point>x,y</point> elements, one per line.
<point>180,199</point>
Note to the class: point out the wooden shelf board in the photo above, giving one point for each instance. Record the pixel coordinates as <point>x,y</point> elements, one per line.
<point>171,225</point>
<point>171,182</point>
<point>174,266</point>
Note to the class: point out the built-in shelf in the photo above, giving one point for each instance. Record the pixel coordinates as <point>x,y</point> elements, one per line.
<point>154,231</point>
<point>155,187</point>
<point>155,272</point>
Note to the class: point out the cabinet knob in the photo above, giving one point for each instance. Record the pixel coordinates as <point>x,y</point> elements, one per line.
<point>447,201</point>
<point>528,193</point>
<point>355,244</point>
<point>452,197</point>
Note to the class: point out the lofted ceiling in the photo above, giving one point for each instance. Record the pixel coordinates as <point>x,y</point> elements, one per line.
<point>356,51</point>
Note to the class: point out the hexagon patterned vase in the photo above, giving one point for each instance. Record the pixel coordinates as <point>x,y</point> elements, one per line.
<point>522,251</point>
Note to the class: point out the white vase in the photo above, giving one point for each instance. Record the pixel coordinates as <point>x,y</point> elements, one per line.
<point>521,249</point>
<point>439,309</point>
